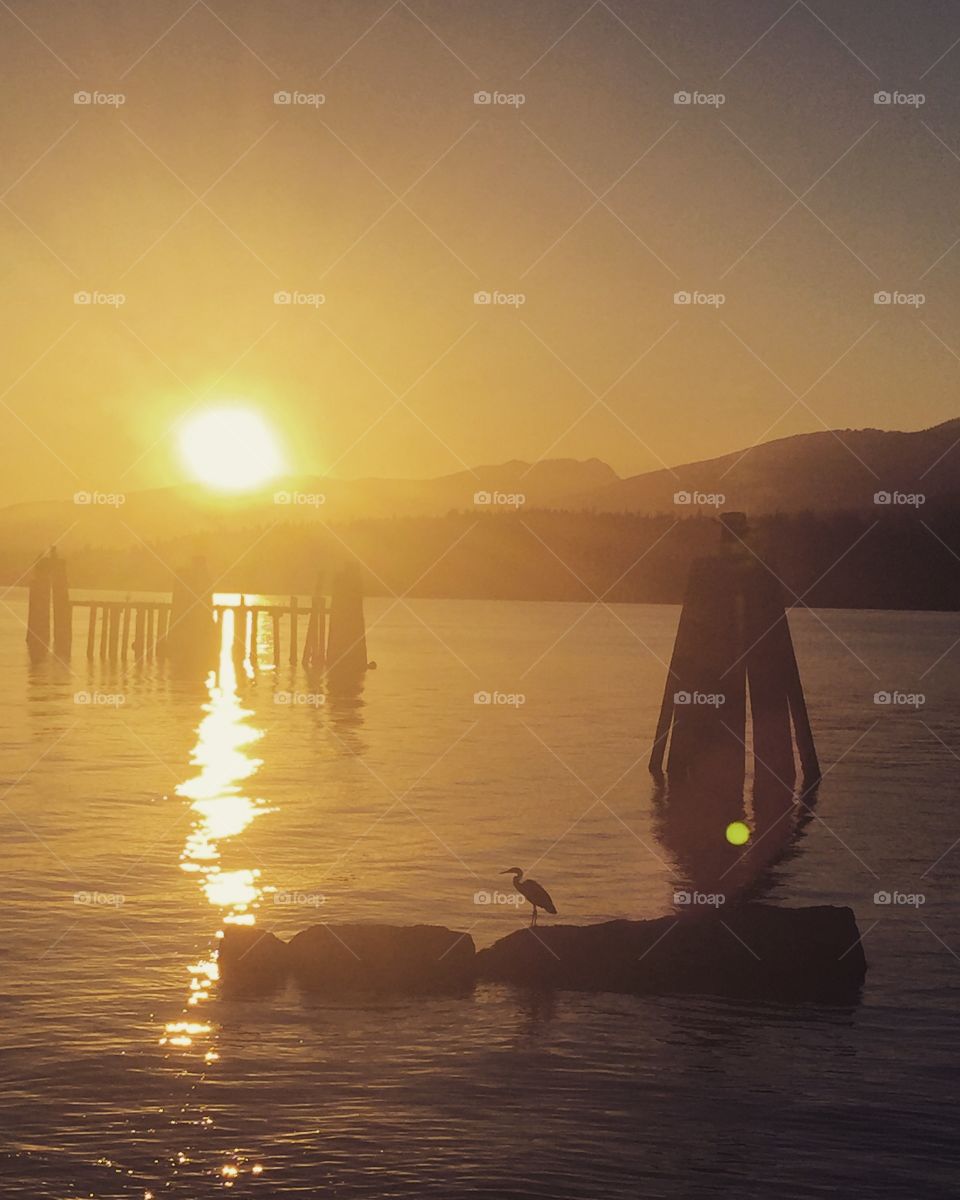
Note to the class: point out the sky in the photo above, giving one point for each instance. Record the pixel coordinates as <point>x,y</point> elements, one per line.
<point>187,202</point>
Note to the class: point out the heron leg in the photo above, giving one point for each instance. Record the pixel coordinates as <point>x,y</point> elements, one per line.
<point>533,919</point>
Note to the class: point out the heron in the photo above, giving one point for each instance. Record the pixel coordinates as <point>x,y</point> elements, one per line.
<point>535,892</point>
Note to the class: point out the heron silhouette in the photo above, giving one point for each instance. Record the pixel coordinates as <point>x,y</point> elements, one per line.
<point>535,892</point>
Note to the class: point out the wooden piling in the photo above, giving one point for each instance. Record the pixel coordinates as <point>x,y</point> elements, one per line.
<point>114,636</point>
<point>92,631</point>
<point>62,612</point>
<point>347,639</point>
<point>138,636</point>
<point>125,632</point>
<point>293,631</point>
<point>38,610</point>
<point>314,642</point>
<point>276,638</point>
<point>254,637</point>
<point>240,632</point>
<point>733,636</point>
<point>104,627</point>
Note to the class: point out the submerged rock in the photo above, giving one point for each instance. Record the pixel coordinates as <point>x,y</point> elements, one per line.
<point>754,951</point>
<point>343,958</point>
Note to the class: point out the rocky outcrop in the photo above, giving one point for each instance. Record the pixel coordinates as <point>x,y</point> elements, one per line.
<point>754,951</point>
<point>344,958</point>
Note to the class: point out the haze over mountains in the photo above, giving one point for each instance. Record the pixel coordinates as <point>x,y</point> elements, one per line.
<point>828,471</point>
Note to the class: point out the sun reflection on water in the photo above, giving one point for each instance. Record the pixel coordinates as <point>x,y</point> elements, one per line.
<point>220,811</point>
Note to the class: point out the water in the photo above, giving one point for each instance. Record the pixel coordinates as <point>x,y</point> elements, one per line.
<point>133,830</point>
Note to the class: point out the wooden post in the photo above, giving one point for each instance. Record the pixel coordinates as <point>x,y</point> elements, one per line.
<point>347,640</point>
<point>92,631</point>
<point>148,647</point>
<point>114,631</point>
<point>104,628</point>
<point>240,632</point>
<point>138,651</point>
<point>38,610</point>
<point>163,640</point>
<point>62,612</point>
<point>313,643</point>
<point>254,635</point>
<point>191,638</point>
<point>125,634</point>
<point>733,634</point>
<point>293,630</point>
<point>276,638</point>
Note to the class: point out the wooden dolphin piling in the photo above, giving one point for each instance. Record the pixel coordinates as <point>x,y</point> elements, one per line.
<point>733,636</point>
<point>347,639</point>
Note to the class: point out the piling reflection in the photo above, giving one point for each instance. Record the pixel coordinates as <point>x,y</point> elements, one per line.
<point>691,818</point>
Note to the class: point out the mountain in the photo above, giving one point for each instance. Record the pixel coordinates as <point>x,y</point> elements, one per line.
<point>830,471</point>
<point>122,519</point>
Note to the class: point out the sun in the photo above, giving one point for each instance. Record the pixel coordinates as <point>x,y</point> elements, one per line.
<point>230,448</point>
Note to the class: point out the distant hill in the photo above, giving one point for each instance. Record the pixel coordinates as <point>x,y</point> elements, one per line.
<point>99,520</point>
<point>831,471</point>
<point>827,472</point>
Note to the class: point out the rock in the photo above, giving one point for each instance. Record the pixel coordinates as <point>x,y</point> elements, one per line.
<point>383,958</point>
<point>252,961</point>
<point>754,951</point>
<point>343,958</point>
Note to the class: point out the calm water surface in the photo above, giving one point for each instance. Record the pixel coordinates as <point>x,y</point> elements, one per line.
<point>143,815</point>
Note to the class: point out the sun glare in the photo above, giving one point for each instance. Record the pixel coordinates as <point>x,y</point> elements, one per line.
<point>230,449</point>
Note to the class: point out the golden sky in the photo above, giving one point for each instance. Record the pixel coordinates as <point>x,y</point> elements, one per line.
<point>398,197</point>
